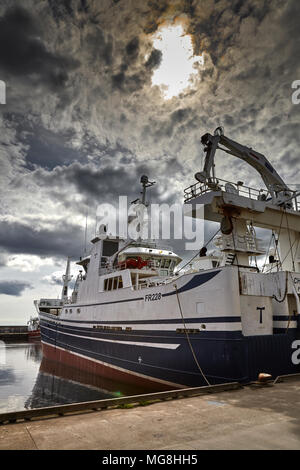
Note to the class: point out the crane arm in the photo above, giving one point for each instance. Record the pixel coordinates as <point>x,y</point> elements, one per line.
<point>271,178</point>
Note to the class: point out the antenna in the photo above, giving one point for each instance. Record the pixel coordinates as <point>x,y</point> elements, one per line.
<point>85,234</point>
<point>96,225</point>
<point>146,184</point>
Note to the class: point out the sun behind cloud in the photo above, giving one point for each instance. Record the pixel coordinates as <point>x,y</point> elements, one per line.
<point>178,66</point>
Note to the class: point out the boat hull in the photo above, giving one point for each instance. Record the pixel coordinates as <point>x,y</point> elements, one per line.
<point>222,358</point>
<point>35,334</point>
<point>180,334</point>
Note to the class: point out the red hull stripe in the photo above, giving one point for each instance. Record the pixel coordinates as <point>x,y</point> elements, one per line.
<point>107,370</point>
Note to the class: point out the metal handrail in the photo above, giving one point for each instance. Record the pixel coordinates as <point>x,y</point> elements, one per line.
<point>146,283</point>
<point>218,184</point>
<point>150,244</point>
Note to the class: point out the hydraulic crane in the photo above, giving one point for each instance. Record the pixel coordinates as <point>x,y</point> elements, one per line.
<point>279,192</point>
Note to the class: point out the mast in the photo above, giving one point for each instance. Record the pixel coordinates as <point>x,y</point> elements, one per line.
<point>146,184</point>
<point>66,279</point>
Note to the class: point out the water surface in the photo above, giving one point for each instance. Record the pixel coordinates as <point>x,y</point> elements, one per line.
<point>27,380</point>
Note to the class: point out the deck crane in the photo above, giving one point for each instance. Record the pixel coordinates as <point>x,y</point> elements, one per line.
<point>279,192</point>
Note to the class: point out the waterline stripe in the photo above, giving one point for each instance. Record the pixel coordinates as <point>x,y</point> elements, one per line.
<point>209,326</point>
<point>225,319</point>
<point>130,343</point>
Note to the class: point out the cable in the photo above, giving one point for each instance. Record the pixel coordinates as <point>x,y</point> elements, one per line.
<point>286,289</point>
<point>290,313</point>
<point>198,251</point>
<point>267,252</point>
<point>288,229</point>
<point>276,244</point>
<point>188,338</point>
<point>270,269</point>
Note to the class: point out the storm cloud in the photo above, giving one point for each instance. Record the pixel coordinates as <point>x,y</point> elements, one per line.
<point>65,240</point>
<point>23,53</point>
<point>83,121</point>
<point>14,288</point>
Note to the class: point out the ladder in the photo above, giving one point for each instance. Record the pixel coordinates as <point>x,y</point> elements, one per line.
<point>230,257</point>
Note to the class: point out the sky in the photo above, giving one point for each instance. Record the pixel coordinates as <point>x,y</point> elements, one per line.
<point>99,92</point>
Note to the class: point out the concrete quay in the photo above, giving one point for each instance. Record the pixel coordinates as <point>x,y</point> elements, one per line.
<point>254,417</point>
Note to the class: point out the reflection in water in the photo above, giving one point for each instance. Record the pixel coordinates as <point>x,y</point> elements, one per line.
<point>18,374</point>
<point>29,380</point>
<point>34,352</point>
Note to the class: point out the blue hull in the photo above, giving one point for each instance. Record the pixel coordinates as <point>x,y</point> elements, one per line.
<point>223,356</point>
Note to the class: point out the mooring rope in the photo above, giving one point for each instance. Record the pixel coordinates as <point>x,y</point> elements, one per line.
<point>188,338</point>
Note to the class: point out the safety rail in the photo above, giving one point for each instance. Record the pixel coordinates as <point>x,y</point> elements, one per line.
<point>246,243</point>
<point>150,244</point>
<point>218,184</point>
<point>107,268</point>
<point>146,283</point>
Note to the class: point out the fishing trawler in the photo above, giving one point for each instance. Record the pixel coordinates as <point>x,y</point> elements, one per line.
<point>134,316</point>
<point>33,328</point>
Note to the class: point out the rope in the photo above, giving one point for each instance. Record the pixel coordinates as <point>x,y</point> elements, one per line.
<point>286,289</point>
<point>291,246</point>
<point>267,252</point>
<point>188,338</point>
<point>270,269</point>
<point>276,243</point>
<point>290,314</point>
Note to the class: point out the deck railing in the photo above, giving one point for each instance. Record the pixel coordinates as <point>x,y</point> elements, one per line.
<point>218,184</point>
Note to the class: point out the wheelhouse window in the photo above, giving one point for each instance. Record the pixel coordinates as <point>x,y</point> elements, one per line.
<point>109,247</point>
<point>113,283</point>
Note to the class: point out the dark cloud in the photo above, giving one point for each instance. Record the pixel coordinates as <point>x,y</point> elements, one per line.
<point>107,184</point>
<point>100,46</point>
<point>94,142</point>
<point>14,288</point>
<point>154,59</point>
<point>132,48</point>
<point>216,27</point>
<point>118,81</point>
<point>24,54</point>
<point>129,82</point>
<point>49,149</point>
<point>180,115</point>
<point>65,7</point>
<point>64,240</point>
